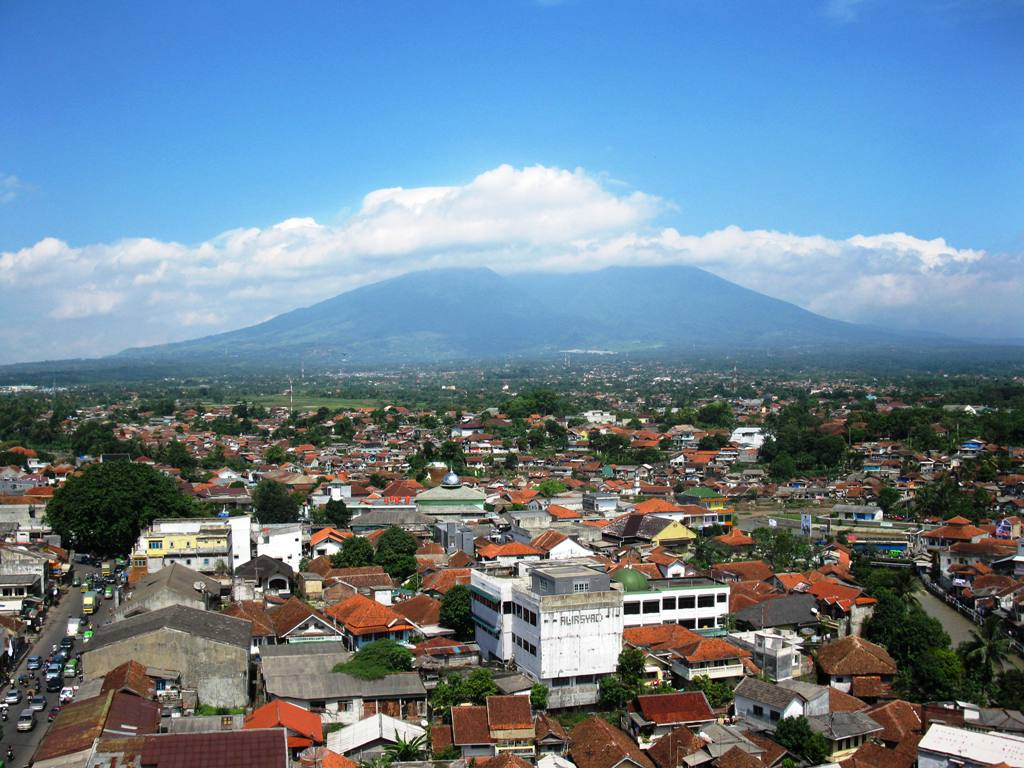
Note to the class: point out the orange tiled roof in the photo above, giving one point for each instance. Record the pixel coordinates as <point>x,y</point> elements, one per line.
<point>304,727</point>
<point>363,616</point>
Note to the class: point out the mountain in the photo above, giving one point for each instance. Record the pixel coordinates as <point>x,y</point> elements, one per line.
<point>467,314</point>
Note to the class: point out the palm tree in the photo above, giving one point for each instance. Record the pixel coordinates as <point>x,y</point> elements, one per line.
<point>988,648</point>
<point>403,751</point>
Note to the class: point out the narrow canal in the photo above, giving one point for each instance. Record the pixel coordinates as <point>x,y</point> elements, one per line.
<point>957,627</point>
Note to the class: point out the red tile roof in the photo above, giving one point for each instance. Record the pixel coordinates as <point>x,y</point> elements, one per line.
<point>422,609</point>
<point>220,749</point>
<point>595,743</point>
<point>444,580</point>
<point>670,749</point>
<point>855,656</point>
<point>363,616</point>
<point>669,708</point>
<point>304,727</point>
<point>469,726</point>
<point>506,713</point>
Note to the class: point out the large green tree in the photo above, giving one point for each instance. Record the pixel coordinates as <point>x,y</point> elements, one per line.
<point>355,552</point>
<point>274,503</point>
<point>987,650</point>
<point>103,510</point>
<point>457,612</point>
<point>795,734</point>
<point>333,513</point>
<point>395,552</point>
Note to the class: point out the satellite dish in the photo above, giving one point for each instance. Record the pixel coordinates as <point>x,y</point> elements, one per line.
<point>199,586</point>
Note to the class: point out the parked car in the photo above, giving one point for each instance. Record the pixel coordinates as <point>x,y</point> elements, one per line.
<point>13,696</point>
<point>34,663</point>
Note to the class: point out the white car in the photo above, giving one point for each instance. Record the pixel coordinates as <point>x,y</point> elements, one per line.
<point>67,693</point>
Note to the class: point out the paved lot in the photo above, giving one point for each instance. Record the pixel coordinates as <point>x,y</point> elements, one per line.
<point>54,628</point>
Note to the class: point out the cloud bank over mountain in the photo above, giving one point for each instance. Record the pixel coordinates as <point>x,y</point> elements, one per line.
<point>66,300</point>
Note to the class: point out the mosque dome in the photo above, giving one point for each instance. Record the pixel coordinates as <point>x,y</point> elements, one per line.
<point>631,581</point>
<point>451,480</point>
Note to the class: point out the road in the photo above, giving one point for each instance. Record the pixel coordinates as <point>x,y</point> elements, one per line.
<point>54,629</point>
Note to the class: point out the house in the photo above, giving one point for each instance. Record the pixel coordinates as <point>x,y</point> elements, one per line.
<point>652,716</point>
<point>71,738</point>
<point>672,748</point>
<point>503,724</point>
<point>304,728</point>
<point>954,531</point>
<point>368,738</point>
<point>295,621</point>
<point>558,546</point>
<point>442,653</point>
<point>595,743</point>
<point>549,736</point>
<point>641,528</point>
<point>254,748</point>
<point>845,660</point>
<point>747,570</point>
<point>327,542</point>
<point>302,673</point>
<point>688,655</point>
<point>272,575</point>
<point>209,650</point>
<point>281,541</point>
<point>174,585</point>
<point>845,732</point>
<point>765,704</point>
<point>364,620</point>
<point>944,746</point>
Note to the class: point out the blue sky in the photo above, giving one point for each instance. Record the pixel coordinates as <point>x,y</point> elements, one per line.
<point>180,122</point>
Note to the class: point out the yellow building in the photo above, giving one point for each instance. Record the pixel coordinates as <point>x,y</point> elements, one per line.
<point>204,547</point>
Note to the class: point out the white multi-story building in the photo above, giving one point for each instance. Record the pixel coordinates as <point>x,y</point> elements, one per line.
<point>281,541</point>
<point>693,602</point>
<point>561,623</point>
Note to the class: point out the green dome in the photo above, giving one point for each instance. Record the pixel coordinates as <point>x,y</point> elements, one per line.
<point>631,581</point>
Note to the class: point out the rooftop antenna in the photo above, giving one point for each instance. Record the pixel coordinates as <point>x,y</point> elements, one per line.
<point>291,395</point>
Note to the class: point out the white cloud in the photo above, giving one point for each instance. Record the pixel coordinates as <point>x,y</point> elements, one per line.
<point>10,186</point>
<point>513,220</point>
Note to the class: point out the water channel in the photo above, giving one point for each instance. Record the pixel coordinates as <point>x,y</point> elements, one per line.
<point>957,627</point>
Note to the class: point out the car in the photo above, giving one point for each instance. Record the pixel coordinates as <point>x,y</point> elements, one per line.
<point>60,658</point>
<point>13,696</point>
<point>34,663</point>
<point>54,711</point>
<point>67,643</point>
<point>67,693</point>
<point>108,593</point>
<point>83,620</point>
<point>54,684</point>
<point>71,668</point>
<point>54,670</point>
<point>27,720</point>
<point>38,703</point>
<point>87,636</point>
<point>76,582</point>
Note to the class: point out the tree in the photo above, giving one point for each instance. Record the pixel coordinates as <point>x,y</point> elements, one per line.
<point>795,734</point>
<point>402,751</point>
<point>478,685</point>
<point>718,694</point>
<point>376,660</point>
<point>549,488</point>
<point>539,696</point>
<point>780,547</point>
<point>1009,690</point>
<point>395,552</point>
<point>612,693</point>
<point>355,552</point>
<point>333,513</point>
<point>888,498</point>
<point>988,649</point>
<point>457,612</point>
<point>275,455</point>
<point>274,503</point>
<point>631,668</point>
<point>103,510</point>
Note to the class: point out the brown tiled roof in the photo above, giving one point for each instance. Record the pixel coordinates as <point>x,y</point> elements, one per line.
<point>545,727</point>
<point>737,758</point>
<point>460,560</point>
<point>422,609</point>
<point>749,570</point>
<point>773,751</point>
<point>292,613</point>
<point>871,687</point>
<point>666,708</point>
<point>506,713</point>
<point>595,743</point>
<point>873,756</point>
<point>444,580</point>
<point>440,738</point>
<point>263,748</point>
<point>362,616</point>
<point>130,677</point>
<point>899,719</point>
<point>469,726</point>
<point>844,702</point>
<point>670,749</point>
<point>505,760</point>
<point>256,612</point>
<point>854,655</point>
